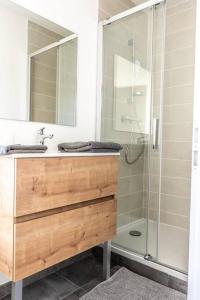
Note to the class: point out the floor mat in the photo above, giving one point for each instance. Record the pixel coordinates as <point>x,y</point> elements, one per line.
<point>126,285</point>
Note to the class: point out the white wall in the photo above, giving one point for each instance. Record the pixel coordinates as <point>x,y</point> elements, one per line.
<point>81,17</point>
<point>13,64</point>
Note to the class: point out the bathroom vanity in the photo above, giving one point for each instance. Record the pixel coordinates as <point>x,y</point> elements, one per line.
<point>52,207</point>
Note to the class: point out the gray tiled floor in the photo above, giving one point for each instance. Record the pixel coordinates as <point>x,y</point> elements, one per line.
<point>71,282</point>
<point>67,284</point>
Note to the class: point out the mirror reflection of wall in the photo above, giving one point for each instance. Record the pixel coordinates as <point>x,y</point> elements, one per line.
<point>53,65</point>
<point>132,85</point>
<point>38,68</point>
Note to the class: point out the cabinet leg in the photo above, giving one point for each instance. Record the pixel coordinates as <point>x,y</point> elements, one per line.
<point>16,293</point>
<point>106,259</point>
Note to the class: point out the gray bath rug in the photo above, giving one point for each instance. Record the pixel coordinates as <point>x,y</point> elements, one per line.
<point>126,285</point>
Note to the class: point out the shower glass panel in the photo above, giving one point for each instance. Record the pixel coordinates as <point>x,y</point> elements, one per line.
<point>131,116</point>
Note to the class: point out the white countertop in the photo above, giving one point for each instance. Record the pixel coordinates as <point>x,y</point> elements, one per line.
<point>59,154</point>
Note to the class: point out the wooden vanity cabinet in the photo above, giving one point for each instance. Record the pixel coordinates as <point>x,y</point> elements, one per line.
<point>52,208</point>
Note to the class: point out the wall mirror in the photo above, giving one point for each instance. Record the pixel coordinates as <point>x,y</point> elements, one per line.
<point>38,68</point>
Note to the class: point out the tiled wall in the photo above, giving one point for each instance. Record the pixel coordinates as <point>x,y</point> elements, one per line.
<point>130,192</point>
<point>108,8</point>
<point>67,87</point>
<point>177,118</point>
<point>177,113</point>
<point>44,71</point>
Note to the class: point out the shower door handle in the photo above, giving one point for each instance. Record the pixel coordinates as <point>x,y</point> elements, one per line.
<point>155,133</point>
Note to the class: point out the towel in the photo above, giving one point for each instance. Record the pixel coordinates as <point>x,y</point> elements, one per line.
<point>12,149</point>
<point>90,146</point>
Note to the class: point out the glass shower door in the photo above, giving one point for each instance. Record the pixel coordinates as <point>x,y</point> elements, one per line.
<point>131,118</point>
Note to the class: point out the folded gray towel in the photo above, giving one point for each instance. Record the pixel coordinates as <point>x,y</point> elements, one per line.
<point>105,145</point>
<point>75,145</point>
<point>11,149</point>
<point>103,150</point>
<point>89,146</point>
<point>84,149</point>
<point>27,147</point>
<point>25,151</point>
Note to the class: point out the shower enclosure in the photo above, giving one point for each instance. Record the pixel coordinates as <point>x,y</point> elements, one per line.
<point>131,106</point>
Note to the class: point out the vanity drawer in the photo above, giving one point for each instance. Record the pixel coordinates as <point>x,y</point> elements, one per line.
<point>48,183</point>
<point>43,242</point>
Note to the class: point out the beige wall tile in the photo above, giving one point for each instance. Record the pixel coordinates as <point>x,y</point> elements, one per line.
<point>136,183</point>
<point>123,219</point>
<point>180,20</point>
<point>47,59</point>
<point>43,116</point>
<point>153,215</point>
<point>112,7</point>
<point>180,40</point>
<point>40,36</point>
<point>176,168</point>
<point>179,58</point>
<point>152,199</point>
<point>180,187</point>
<point>43,30</point>
<point>175,205</point>
<point>175,3</point>
<point>174,220</point>
<point>177,132</point>
<point>43,87</point>
<point>154,183</point>
<point>128,170</point>
<point>39,39</point>
<point>43,102</point>
<point>155,166</point>
<point>124,186</point>
<point>107,108</point>
<point>130,202</point>
<point>179,95</point>
<point>179,6</point>
<point>126,218</point>
<point>182,113</point>
<point>177,150</point>
<point>136,214</point>
<point>179,77</point>
<point>43,72</point>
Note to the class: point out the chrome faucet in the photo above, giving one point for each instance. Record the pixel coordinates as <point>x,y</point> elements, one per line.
<point>43,136</point>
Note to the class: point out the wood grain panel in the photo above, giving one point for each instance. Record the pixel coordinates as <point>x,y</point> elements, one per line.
<point>46,241</point>
<point>53,211</point>
<point>6,246</point>
<point>7,186</point>
<point>7,171</point>
<point>47,183</point>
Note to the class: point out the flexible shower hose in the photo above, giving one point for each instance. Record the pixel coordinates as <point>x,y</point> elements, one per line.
<point>131,162</point>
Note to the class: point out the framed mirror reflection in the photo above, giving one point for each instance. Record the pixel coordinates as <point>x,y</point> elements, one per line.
<point>39,80</point>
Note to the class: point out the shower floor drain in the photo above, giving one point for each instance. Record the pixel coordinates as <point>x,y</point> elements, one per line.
<point>135,233</point>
